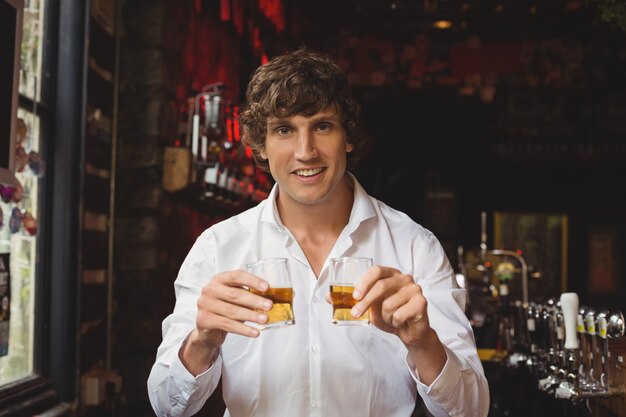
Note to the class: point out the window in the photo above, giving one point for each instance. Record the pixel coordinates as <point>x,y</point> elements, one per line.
<point>18,233</point>
<point>39,372</point>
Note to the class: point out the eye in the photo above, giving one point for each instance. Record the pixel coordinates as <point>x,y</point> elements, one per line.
<point>283,130</point>
<point>323,127</point>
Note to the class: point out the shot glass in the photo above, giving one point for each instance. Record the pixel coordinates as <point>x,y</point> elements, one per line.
<point>276,272</point>
<point>346,272</point>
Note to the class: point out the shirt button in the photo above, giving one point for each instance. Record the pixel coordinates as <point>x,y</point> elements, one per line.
<point>315,405</point>
<point>315,349</point>
<point>314,299</point>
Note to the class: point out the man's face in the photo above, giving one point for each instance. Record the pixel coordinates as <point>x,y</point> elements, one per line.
<point>307,156</point>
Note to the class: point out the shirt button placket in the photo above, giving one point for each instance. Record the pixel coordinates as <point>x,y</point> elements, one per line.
<point>315,357</point>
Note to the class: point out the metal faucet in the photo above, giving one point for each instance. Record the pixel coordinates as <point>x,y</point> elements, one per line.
<point>601,332</point>
<point>590,326</point>
<point>569,386</point>
<point>583,352</point>
<point>522,261</point>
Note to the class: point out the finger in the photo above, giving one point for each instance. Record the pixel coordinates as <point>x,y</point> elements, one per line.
<point>373,275</point>
<point>414,311</point>
<point>235,312</point>
<point>397,300</point>
<point>239,278</point>
<point>243,297</point>
<point>382,289</point>
<point>213,321</point>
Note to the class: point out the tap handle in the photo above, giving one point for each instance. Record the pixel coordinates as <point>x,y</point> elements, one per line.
<point>569,306</point>
<point>580,320</point>
<point>602,323</point>
<point>590,322</point>
<point>531,327</point>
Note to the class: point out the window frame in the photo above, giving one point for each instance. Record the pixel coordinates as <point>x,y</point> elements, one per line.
<point>61,109</point>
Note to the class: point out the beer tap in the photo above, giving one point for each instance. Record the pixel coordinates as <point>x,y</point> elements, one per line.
<point>542,343</point>
<point>602,327</point>
<point>521,337</point>
<point>549,314</point>
<point>607,326</point>
<point>532,361</point>
<point>616,325</point>
<point>615,330</point>
<point>551,381</point>
<point>559,323</point>
<point>568,388</point>
<point>583,352</point>
<point>483,249</point>
<point>590,328</point>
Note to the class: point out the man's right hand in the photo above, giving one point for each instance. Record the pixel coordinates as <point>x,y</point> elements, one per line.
<point>223,307</point>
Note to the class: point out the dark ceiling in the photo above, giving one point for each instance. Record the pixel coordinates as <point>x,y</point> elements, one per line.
<point>491,19</point>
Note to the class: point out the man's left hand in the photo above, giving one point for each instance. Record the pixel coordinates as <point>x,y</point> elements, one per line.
<point>396,304</point>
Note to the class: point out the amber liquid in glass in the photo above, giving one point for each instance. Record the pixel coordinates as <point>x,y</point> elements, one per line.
<point>341,297</point>
<point>282,310</point>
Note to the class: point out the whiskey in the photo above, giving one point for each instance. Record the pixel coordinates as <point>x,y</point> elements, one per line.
<point>342,301</point>
<point>281,313</point>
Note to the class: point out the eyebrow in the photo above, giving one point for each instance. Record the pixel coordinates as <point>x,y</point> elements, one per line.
<point>274,121</point>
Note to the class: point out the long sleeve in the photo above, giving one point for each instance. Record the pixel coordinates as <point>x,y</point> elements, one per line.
<point>461,388</point>
<point>173,391</point>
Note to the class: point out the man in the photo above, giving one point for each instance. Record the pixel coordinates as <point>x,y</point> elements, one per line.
<point>302,125</point>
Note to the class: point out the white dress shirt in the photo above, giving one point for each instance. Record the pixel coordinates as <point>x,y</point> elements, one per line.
<point>315,368</point>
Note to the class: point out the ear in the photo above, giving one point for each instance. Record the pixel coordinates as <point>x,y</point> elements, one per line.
<point>349,147</point>
<point>262,154</point>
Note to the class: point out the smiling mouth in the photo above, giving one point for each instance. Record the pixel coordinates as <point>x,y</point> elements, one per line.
<point>308,172</point>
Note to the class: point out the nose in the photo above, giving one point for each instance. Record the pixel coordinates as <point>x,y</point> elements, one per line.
<point>305,147</point>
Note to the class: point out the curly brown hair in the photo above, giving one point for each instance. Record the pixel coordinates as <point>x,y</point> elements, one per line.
<point>299,83</point>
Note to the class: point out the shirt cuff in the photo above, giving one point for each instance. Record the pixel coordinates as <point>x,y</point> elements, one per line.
<point>190,387</point>
<point>447,378</point>
<point>181,373</point>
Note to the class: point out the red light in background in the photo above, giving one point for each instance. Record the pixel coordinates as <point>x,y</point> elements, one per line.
<point>256,39</point>
<point>264,59</point>
<point>488,264</point>
<point>519,252</point>
<point>248,152</point>
<point>229,129</point>
<point>177,143</point>
<point>225,10</point>
<point>236,123</point>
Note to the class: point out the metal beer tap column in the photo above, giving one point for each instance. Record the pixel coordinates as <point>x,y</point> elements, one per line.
<point>583,380</point>
<point>608,326</point>
<point>583,352</point>
<point>531,324</point>
<point>568,388</point>
<point>548,314</point>
<point>570,351</point>
<point>559,323</point>
<point>603,349</point>
<point>591,383</point>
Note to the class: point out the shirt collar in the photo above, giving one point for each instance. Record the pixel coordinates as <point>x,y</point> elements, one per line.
<point>362,207</point>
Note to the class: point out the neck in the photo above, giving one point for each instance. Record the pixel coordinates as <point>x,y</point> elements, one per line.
<point>331,216</point>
